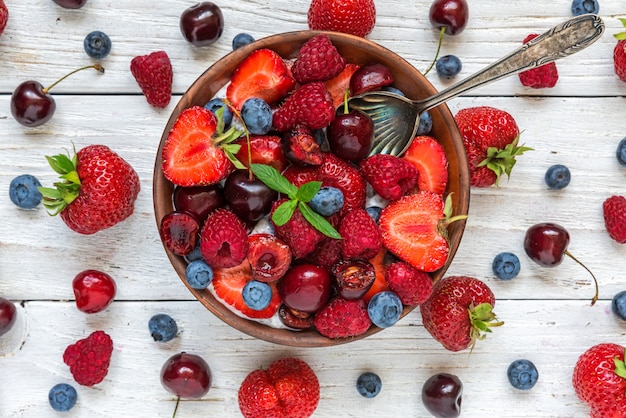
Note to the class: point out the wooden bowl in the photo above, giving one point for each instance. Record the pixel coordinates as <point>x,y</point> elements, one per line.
<point>353,49</point>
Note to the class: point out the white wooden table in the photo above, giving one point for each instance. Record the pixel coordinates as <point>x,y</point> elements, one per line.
<point>548,316</point>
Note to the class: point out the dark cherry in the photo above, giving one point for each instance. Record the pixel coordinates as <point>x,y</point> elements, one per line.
<point>305,287</point>
<point>179,232</point>
<point>546,243</point>
<point>442,395</point>
<point>449,14</point>
<point>71,4</point>
<point>370,77</point>
<point>248,197</point>
<point>31,103</point>
<point>8,315</point>
<point>186,376</point>
<point>94,291</point>
<point>202,24</point>
<point>353,278</point>
<point>350,135</point>
<point>295,319</point>
<point>199,200</point>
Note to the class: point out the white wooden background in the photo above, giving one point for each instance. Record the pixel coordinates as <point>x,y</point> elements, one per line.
<point>547,313</point>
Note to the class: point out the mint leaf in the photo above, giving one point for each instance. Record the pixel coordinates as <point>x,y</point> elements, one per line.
<point>318,221</point>
<point>274,180</point>
<point>283,213</point>
<point>307,191</point>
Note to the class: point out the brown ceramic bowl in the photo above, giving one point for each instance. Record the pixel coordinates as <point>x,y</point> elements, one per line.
<point>353,49</point>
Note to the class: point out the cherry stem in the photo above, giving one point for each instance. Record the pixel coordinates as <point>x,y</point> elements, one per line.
<point>97,67</point>
<point>432,64</point>
<point>176,407</point>
<point>346,108</point>
<point>595,297</point>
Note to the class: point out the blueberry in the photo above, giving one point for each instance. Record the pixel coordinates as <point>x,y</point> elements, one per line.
<point>97,44</point>
<point>162,327</point>
<point>619,305</point>
<point>374,212</point>
<point>194,255</point>
<point>214,104</point>
<point>62,397</point>
<point>327,201</point>
<point>257,115</point>
<point>581,7</point>
<point>557,177</point>
<point>242,39</point>
<point>522,374</point>
<point>24,192</point>
<point>506,266</point>
<point>394,90</point>
<point>384,309</point>
<point>257,295</point>
<point>426,124</point>
<point>369,384</point>
<point>621,152</point>
<point>198,274</point>
<point>448,66</point>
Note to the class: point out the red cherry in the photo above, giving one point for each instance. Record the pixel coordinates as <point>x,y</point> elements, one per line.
<point>370,77</point>
<point>8,315</point>
<point>305,287</point>
<point>94,291</point>
<point>202,24</point>
<point>71,4</point>
<point>449,14</point>
<point>199,200</point>
<point>186,375</point>
<point>350,135</point>
<point>442,395</point>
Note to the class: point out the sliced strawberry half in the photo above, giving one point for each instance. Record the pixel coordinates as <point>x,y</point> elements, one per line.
<point>228,284</point>
<point>428,156</point>
<point>262,74</point>
<point>338,85</point>
<point>380,284</point>
<point>338,173</point>
<point>264,149</point>
<point>414,228</point>
<point>193,153</point>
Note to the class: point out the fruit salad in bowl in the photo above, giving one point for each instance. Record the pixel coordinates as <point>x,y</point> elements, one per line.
<point>275,214</point>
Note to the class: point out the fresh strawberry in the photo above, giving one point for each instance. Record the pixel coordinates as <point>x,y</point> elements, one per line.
<point>544,76</point>
<point>153,73</point>
<point>338,85</point>
<point>4,16</point>
<point>338,173</point>
<point>356,17</point>
<point>459,311</point>
<point>297,233</point>
<point>414,228</point>
<point>614,211</point>
<point>380,267</point>
<point>619,53</point>
<point>309,105</point>
<point>326,254</point>
<point>428,156</point>
<point>317,60</point>
<point>599,379</point>
<point>360,236</point>
<point>490,137</point>
<point>342,318</point>
<point>100,186</point>
<point>196,152</point>
<point>288,388</point>
<point>264,149</point>
<point>262,74</point>
<point>228,284</point>
<point>298,175</point>
<point>89,358</point>
<point>223,240</point>
<point>412,286</point>
<point>391,177</point>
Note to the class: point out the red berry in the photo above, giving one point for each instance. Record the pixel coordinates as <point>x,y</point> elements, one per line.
<point>544,76</point>
<point>412,286</point>
<point>223,240</point>
<point>391,177</point>
<point>269,257</point>
<point>198,200</point>
<point>370,77</point>
<point>8,315</point>
<point>179,232</point>
<point>305,287</point>
<point>614,210</point>
<point>361,237</point>
<point>186,375</point>
<point>356,17</point>
<point>342,318</point>
<point>318,60</point>
<point>94,291</point>
<point>89,358</point>
<point>310,105</point>
<point>451,14</point>
<point>153,73</point>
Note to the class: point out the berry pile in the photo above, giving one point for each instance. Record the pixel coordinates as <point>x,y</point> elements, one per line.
<point>300,221</point>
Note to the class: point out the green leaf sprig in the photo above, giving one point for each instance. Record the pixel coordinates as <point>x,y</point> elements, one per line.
<point>225,140</point>
<point>298,199</point>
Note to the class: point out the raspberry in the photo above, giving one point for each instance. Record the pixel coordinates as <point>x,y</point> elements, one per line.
<point>544,76</point>
<point>619,59</point>
<point>318,60</point>
<point>223,240</point>
<point>310,105</point>
<point>4,16</point>
<point>89,358</point>
<point>297,233</point>
<point>413,286</point>
<point>614,209</point>
<point>360,236</point>
<point>391,177</point>
<point>342,318</point>
<point>326,253</point>
<point>154,75</point>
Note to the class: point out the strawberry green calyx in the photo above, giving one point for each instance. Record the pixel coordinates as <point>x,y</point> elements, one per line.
<point>621,35</point>
<point>224,140</point>
<point>482,320</point>
<point>447,219</point>
<point>56,198</point>
<point>503,161</point>
<point>620,366</point>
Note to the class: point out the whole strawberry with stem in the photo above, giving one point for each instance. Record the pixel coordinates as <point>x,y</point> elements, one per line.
<point>599,380</point>
<point>459,312</point>
<point>619,53</point>
<point>356,17</point>
<point>98,189</point>
<point>491,138</point>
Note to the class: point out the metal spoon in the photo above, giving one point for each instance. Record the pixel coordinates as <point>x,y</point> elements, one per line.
<point>396,118</point>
